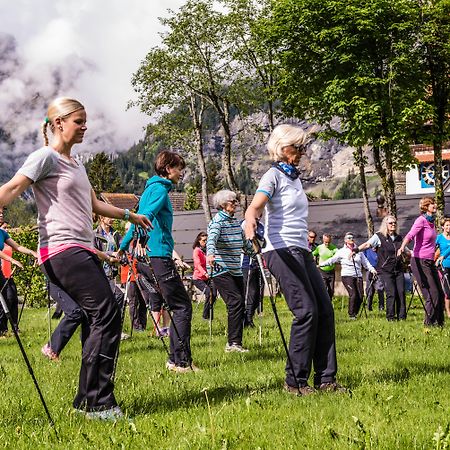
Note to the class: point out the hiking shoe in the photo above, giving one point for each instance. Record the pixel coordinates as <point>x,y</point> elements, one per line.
<point>230,348</point>
<point>112,414</point>
<point>181,369</point>
<point>331,387</point>
<point>301,391</point>
<point>49,353</point>
<point>124,336</point>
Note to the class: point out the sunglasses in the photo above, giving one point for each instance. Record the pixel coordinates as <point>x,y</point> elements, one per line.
<point>299,148</point>
<point>392,223</point>
<point>349,238</point>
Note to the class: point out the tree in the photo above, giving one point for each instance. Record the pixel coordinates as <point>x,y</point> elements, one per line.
<point>434,41</point>
<point>103,174</point>
<point>356,60</point>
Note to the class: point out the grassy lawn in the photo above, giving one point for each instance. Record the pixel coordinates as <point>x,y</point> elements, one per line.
<point>399,375</point>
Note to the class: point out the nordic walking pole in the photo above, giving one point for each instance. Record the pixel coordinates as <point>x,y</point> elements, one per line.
<point>260,312</point>
<point>210,305</point>
<point>141,279</point>
<point>257,249</point>
<point>25,357</point>
<point>372,281</point>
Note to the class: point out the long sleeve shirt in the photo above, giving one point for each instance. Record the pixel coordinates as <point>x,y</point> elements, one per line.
<point>226,241</point>
<point>350,266</point>
<point>424,234</point>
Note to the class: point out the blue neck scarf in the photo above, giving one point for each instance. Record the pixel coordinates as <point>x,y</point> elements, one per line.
<point>288,169</point>
<point>429,217</point>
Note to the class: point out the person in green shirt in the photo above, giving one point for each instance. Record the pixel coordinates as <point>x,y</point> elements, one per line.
<point>323,252</point>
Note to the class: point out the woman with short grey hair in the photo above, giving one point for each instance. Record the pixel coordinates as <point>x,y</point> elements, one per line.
<point>280,194</point>
<point>223,249</point>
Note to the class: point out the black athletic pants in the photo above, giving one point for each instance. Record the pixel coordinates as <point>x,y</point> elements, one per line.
<point>254,291</point>
<point>312,333</point>
<point>374,285</point>
<point>328,278</point>
<point>12,300</point>
<point>394,286</point>
<point>79,273</point>
<point>231,289</point>
<point>175,295</point>
<point>427,277</point>
<point>138,307</point>
<point>354,286</point>
<point>210,292</point>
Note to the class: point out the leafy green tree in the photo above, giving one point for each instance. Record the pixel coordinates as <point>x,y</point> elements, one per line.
<point>21,213</point>
<point>350,188</point>
<point>356,60</point>
<point>30,281</point>
<point>191,203</point>
<point>434,38</point>
<point>103,174</point>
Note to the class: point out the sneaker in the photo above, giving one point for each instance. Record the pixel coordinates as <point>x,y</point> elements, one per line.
<point>49,353</point>
<point>181,369</point>
<point>331,387</point>
<point>229,348</point>
<point>111,414</point>
<point>124,336</point>
<point>301,391</point>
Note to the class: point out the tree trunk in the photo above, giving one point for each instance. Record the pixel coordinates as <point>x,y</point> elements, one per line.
<point>390,182</point>
<point>197,118</point>
<point>362,175</point>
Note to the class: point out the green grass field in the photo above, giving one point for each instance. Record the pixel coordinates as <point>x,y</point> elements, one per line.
<point>399,375</point>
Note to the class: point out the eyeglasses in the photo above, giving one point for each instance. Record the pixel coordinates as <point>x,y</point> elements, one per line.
<point>233,202</point>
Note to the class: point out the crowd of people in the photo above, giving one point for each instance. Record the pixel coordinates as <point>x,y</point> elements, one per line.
<point>81,264</point>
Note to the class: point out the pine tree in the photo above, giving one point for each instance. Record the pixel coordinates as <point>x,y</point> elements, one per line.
<point>103,174</point>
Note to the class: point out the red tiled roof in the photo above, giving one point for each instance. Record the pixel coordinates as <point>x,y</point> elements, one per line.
<point>425,153</point>
<point>128,201</point>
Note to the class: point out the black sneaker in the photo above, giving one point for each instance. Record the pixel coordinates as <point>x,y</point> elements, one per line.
<point>300,391</point>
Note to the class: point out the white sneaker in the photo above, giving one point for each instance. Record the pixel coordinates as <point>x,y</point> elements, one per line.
<point>114,413</point>
<point>124,336</point>
<point>229,348</point>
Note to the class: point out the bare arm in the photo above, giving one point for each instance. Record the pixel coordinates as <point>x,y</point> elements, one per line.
<point>4,256</point>
<point>13,188</point>
<point>103,209</point>
<point>20,248</point>
<point>253,213</point>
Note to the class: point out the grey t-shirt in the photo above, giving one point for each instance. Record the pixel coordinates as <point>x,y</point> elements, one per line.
<point>63,197</point>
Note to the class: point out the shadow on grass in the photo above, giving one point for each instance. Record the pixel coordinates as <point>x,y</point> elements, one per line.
<point>217,395</point>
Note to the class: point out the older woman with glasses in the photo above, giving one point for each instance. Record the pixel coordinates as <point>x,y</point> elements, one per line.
<point>389,267</point>
<point>280,194</point>
<point>223,249</point>
<point>351,272</point>
<point>423,268</point>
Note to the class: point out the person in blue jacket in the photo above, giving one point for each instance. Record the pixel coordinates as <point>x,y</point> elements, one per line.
<point>443,261</point>
<point>155,204</point>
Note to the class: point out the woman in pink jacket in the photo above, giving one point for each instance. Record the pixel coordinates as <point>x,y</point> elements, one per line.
<point>200,277</point>
<point>423,268</point>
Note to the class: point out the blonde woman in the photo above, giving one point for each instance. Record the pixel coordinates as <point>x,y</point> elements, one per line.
<point>65,202</point>
<point>387,243</point>
<point>280,194</point>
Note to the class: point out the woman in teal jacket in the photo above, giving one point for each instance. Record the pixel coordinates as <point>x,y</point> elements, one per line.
<point>155,204</point>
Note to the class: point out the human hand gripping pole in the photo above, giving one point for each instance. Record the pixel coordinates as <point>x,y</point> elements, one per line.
<point>257,250</point>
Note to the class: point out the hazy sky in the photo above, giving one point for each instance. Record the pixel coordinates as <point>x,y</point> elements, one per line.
<point>99,43</point>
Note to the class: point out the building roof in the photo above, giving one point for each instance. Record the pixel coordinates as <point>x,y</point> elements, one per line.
<point>425,153</point>
<point>128,201</point>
